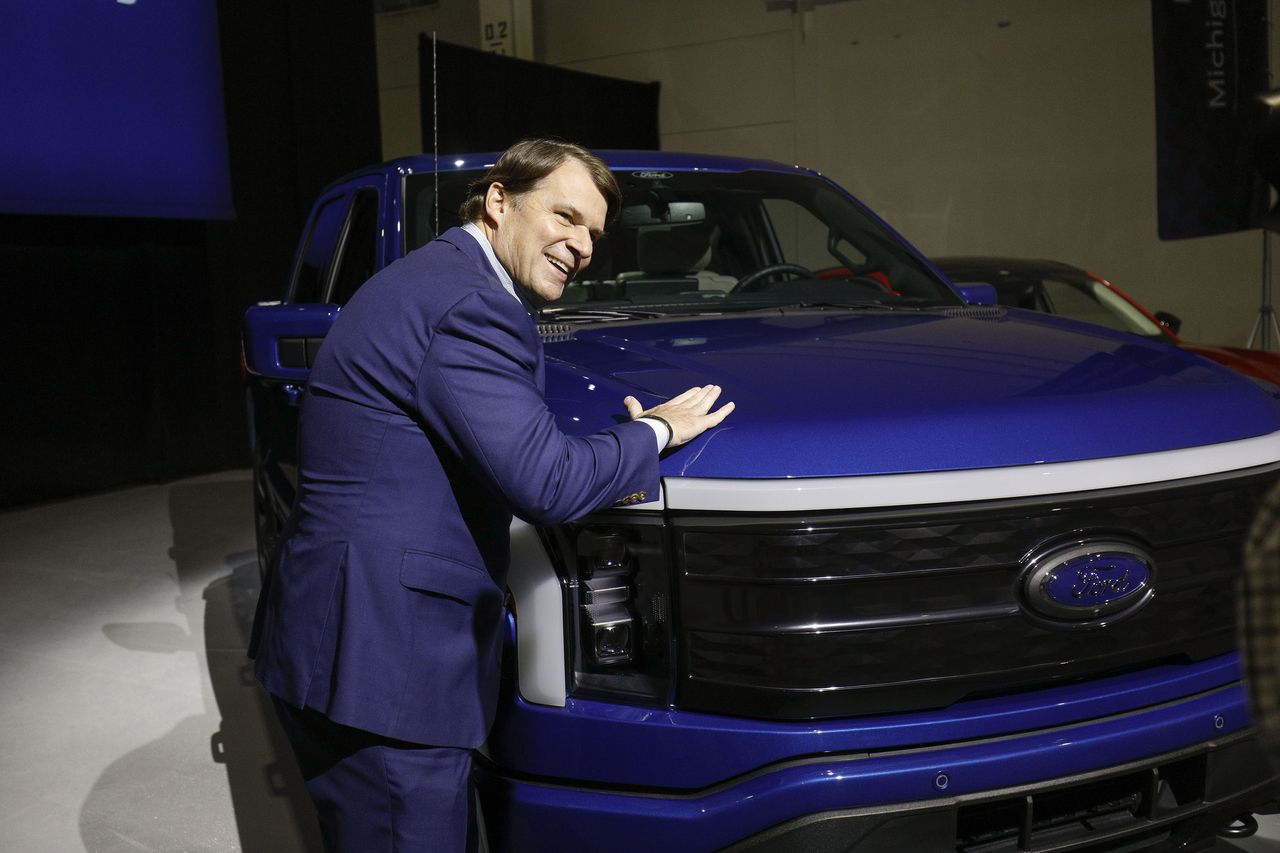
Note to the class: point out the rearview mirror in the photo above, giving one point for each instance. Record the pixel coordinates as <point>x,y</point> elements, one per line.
<point>660,213</point>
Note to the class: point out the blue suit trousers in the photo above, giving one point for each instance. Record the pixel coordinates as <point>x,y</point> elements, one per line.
<point>374,793</point>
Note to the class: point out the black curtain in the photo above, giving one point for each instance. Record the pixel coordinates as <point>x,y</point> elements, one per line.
<point>120,337</point>
<point>487,101</point>
<point>1210,62</point>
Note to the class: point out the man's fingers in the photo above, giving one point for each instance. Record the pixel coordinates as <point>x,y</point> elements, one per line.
<point>717,416</point>
<point>634,409</point>
<point>697,399</point>
<point>685,396</point>
<point>708,398</point>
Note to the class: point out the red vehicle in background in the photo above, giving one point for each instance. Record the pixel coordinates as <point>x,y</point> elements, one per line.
<point>1058,288</point>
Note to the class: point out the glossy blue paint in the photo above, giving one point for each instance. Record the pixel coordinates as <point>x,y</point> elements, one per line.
<point>894,392</point>
<point>978,293</point>
<point>656,747</point>
<point>539,816</point>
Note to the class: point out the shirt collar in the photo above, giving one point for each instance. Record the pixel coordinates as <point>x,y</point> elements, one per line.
<point>474,230</point>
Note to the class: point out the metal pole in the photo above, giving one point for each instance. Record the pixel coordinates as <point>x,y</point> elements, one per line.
<point>1266,324</point>
<point>1265,329</point>
<point>435,134</point>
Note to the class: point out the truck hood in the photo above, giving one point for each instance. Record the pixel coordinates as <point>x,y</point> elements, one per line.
<point>841,393</point>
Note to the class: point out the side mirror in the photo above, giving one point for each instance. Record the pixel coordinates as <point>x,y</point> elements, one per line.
<point>281,341</point>
<point>1170,321</point>
<point>976,292</point>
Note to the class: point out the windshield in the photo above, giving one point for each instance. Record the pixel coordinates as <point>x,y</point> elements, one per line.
<point>714,242</point>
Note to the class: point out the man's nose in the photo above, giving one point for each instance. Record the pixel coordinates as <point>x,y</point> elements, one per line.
<point>580,244</point>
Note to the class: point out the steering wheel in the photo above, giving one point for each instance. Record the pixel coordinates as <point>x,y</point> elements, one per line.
<point>749,281</point>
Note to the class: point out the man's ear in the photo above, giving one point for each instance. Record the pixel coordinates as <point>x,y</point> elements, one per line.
<point>496,201</point>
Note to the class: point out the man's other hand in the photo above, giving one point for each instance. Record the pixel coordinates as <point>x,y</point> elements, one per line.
<point>688,414</point>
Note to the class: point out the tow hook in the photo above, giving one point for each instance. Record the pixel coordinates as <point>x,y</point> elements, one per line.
<point>1242,827</point>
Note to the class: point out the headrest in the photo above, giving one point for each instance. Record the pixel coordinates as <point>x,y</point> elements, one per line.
<point>673,250</point>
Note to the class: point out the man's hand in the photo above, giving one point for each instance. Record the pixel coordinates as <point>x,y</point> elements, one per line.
<point>689,414</point>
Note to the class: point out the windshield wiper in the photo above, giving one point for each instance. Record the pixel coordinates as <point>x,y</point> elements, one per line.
<point>831,306</point>
<point>577,313</point>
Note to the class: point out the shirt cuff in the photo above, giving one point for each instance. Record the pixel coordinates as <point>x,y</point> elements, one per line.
<point>660,432</point>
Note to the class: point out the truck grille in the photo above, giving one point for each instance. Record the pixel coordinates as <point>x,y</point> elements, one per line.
<point>838,614</point>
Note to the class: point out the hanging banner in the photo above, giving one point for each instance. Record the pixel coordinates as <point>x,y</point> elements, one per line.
<point>113,109</point>
<point>615,113</point>
<point>1210,63</point>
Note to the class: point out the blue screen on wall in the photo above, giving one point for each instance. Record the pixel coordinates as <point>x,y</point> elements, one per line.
<point>112,108</point>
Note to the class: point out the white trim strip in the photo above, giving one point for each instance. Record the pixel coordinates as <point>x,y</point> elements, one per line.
<point>890,490</point>
<point>539,618</point>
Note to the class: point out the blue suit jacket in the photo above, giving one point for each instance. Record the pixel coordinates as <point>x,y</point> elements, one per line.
<point>423,429</point>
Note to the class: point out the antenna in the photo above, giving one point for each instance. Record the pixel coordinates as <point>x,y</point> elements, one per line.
<point>435,132</point>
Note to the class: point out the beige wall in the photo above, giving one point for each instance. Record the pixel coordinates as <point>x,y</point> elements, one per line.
<point>727,67</point>
<point>456,21</point>
<point>1023,127</point>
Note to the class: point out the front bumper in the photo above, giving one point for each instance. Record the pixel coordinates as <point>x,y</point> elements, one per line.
<point>1169,772</point>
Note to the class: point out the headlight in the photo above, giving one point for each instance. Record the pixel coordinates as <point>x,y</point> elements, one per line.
<point>616,584</point>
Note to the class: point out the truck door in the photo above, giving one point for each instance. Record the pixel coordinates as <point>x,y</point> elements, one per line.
<point>339,251</point>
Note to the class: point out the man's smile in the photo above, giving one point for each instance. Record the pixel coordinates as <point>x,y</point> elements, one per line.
<point>560,265</point>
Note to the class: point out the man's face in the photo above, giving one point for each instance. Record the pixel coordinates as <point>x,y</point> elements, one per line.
<point>543,237</point>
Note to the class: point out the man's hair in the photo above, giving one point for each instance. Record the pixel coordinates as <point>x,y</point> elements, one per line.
<point>530,160</point>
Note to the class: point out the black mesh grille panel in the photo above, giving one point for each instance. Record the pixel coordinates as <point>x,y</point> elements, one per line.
<point>874,612</point>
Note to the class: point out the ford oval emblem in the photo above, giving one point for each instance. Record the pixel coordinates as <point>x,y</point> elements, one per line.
<point>1090,582</point>
<point>652,176</point>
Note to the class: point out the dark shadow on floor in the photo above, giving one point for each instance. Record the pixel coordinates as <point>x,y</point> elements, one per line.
<point>273,811</point>
<point>168,794</point>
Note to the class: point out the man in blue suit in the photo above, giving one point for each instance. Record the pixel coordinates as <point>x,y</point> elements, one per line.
<point>423,430</point>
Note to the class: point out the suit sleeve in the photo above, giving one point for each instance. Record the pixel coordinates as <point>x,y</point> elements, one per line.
<point>476,391</point>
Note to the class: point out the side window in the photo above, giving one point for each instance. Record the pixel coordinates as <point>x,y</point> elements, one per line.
<point>308,278</point>
<point>358,254</point>
<point>1098,304</point>
<point>1081,304</point>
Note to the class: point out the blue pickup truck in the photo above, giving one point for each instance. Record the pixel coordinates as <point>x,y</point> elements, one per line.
<point>953,577</point>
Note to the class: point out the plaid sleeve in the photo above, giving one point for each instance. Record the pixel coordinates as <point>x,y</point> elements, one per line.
<point>1259,622</point>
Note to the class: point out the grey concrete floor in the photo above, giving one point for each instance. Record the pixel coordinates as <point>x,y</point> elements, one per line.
<point>129,720</point>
